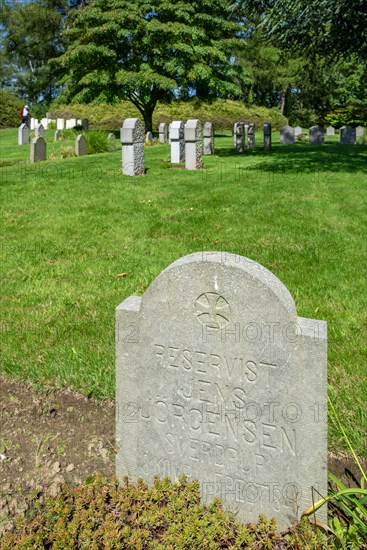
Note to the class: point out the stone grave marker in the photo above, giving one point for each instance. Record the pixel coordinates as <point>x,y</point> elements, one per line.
<point>57,135</point>
<point>60,123</point>
<point>287,135</point>
<point>23,134</point>
<point>359,131</point>
<point>149,137</point>
<point>132,140</point>
<point>218,378</point>
<point>33,123</point>
<point>44,122</point>
<point>163,132</point>
<point>39,131</point>
<point>348,135</point>
<point>177,135</point>
<point>193,135</point>
<point>330,131</point>
<point>250,135</point>
<point>240,146</point>
<point>38,149</point>
<point>297,131</point>
<point>234,131</point>
<point>316,135</point>
<point>208,137</point>
<point>85,123</point>
<point>169,132</point>
<point>80,146</point>
<point>267,136</point>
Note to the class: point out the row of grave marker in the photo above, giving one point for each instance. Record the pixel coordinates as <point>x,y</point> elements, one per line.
<point>187,143</point>
<point>243,133</point>
<point>61,123</point>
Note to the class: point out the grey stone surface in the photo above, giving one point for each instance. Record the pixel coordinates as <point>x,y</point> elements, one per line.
<point>38,149</point>
<point>208,138</point>
<point>169,132</point>
<point>23,134</point>
<point>33,123</point>
<point>240,135</point>
<point>85,123</point>
<point>132,140</point>
<point>80,146</point>
<point>177,141</point>
<point>44,122</point>
<point>60,124</point>
<point>267,136</point>
<point>330,131</point>
<point>218,378</point>
<point>348,135</point>
<point>359,131</point>
<point>193,135</point>
<point>287,135</point>
<point>149,137</point>
<point>250,135</point>
<point>316,135</point>
<point>39,131</point>
<point>57,135</point>
<point>297,131</point>
<point>234,131</point>
<point>163,132</point>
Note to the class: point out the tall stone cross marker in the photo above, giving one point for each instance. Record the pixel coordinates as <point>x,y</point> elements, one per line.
<point>219,379</point>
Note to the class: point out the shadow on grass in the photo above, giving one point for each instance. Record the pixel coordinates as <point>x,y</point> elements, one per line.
<point>304,157</point>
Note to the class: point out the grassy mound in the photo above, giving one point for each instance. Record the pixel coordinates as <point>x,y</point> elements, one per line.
<point>222,113</point>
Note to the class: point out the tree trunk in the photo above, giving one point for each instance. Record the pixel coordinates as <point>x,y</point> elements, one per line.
<point>283,95</point>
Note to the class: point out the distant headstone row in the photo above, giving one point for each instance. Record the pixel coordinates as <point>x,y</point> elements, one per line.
<point>244,135</point>
<point>61,123</point>
<point>187,143</point>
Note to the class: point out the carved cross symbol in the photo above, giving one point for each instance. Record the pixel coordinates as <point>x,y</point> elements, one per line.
<point>213,310</point>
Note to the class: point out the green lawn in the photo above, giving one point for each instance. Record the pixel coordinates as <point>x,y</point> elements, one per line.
<point>71,226</point>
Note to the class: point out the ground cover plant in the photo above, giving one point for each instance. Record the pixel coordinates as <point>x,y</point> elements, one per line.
<point>78,238</point>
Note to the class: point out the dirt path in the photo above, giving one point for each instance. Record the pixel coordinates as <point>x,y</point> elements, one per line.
<point>49,437</point>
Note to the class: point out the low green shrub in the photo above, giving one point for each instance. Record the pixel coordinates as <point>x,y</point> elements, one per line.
<point>223,113</point>
<point>10,107</point>
<point>97,142</point>
<point>101,514</point>
<point>354,115</point>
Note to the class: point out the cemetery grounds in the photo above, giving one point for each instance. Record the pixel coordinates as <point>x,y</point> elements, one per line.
<point>78,238</point>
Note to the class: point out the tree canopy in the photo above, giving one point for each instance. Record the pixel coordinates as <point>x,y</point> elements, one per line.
<point>152,51</point>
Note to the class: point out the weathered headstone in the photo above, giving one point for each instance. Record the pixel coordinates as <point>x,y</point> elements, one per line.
<point>60,124</point>
<point>44,122</point>
<point>39,131</point>
<point>80,146</point>
<point>57,135</point>
<point>240,146</point>
<point>38,149</point>
<point>359,131</point>
<point>70,123</point>
<point>348,135</point>
<point>219,379</point>
<point>297,131</point>
<point>287,135</point>
<point>132,140</point>
<point>32,123</point>
<point>316,135</point>
<point>23,134</point>
<point>330,131</point>
<point>234,131</point>
<point>250,135</point>
<point>208,138</point>
<point>149,137</point>
<point>177,142</point>
<point>163,132</point>
<point>85,123</point>
<point>193,134</point>
<point>169,132</point>
<point>267,136</point>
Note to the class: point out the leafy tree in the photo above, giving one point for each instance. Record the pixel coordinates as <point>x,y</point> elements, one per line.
<point>151,51</point>
<point>31,36</point>
<point>322,27</point>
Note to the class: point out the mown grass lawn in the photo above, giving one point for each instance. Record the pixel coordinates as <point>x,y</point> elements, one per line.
<point>70,227</point>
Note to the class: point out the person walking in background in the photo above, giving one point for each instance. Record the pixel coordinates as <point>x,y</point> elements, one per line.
<point>24,115</point>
